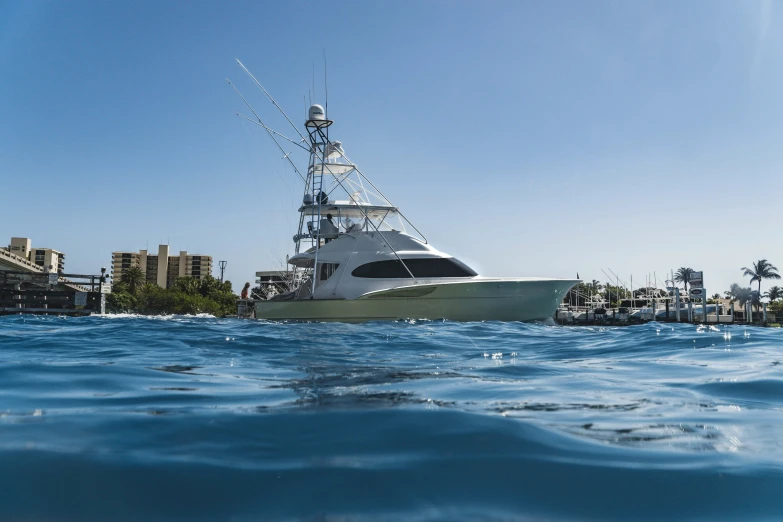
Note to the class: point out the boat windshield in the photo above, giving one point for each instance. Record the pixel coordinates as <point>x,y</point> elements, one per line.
<point>421,267</point>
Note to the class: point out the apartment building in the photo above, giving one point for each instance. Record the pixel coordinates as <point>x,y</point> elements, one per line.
<point>46,258</point>
<point>161,269</point>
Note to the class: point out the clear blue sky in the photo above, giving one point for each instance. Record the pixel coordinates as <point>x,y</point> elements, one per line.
<point>528,138</point>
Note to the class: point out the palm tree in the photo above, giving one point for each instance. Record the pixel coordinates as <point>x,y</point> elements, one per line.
<point>762,269</point>
<point>742,294</point>
<point>134,279</point>
<point>774,293</point>
<point>188,285</point>
<point>683,275</point>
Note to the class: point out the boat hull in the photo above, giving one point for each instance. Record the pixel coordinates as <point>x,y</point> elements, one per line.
<point>486,300</point>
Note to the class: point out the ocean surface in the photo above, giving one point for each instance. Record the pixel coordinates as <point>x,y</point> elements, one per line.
<point>195,418</point>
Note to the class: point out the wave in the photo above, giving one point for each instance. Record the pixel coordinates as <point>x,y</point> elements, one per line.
<point>202,418</point>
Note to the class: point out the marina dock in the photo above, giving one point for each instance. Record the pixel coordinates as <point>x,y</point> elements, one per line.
<point>716,315</point>
<point>24,292</point>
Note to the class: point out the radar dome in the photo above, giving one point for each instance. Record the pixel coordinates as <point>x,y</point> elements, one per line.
<point>317,112</point>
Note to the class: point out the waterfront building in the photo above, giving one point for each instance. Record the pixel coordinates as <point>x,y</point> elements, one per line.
<point>45,258</point>
<point>161,269</point>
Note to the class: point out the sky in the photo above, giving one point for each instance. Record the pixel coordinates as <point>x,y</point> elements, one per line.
<point>528,138</point>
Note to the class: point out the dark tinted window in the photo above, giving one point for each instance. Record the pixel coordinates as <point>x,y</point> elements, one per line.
<point>327,269</point>
<point>391,269</point>
<point>394,269</point>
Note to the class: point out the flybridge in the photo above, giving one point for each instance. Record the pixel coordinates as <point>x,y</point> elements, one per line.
<point>337,197</point>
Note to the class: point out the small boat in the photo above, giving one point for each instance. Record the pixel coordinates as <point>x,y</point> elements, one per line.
<point>358,258</point>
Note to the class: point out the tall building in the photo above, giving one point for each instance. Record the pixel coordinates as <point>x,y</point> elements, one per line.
<point>161,269</point>
<point>49,258</point>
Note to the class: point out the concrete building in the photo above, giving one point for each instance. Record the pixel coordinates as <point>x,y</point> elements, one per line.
<point>21,246</point>
<point>161,269</point>
<point>42,257</point>
<point>47,257</point>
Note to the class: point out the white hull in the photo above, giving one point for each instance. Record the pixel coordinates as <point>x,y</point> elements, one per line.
<point>475,300</point>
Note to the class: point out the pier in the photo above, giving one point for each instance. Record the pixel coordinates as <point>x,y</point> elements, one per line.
<point>620,316</point>
<point>26,292</point>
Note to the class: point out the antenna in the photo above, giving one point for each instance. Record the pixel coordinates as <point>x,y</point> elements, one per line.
<point>314,96</point>
<point>222,269</point>
<point>326,90</point>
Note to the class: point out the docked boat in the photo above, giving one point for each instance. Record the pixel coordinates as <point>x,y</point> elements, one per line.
<point>358,258</point>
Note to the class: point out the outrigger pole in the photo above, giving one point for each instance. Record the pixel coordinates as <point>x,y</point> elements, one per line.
<point>268,130</point>
<point>273,131</point>
<point>323,163</point>
<point>272,100</point>
<point>305,139</point>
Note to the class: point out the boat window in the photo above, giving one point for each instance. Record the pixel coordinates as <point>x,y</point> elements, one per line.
<point>391,269</point>
<point>327,269</point>
<point>427,267</point>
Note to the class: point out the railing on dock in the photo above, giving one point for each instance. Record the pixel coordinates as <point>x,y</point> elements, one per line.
<point>51,293</point>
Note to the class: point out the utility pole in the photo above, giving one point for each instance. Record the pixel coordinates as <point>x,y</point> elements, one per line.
<point>222,269</point>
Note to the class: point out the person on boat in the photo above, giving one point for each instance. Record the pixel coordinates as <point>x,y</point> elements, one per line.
<point>245,291</point>
<point>331,229</point>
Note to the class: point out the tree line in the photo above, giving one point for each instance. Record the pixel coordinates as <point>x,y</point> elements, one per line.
<point>757,272</point>
<point>188,295</point>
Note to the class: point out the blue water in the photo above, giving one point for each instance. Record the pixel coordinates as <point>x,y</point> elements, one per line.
<point>189,418</point>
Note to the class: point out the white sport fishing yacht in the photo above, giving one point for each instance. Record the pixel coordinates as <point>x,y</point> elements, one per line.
<point>355,259</point>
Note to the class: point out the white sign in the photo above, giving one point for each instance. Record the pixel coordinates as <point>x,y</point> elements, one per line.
<point>53,279</point>
<point>80,299</point>
<point>105,288</point>
<point>696,279</point>
<point>698,293</point>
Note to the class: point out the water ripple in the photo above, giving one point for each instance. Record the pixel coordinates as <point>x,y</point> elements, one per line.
<point>424,420</point>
